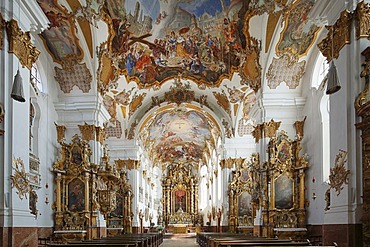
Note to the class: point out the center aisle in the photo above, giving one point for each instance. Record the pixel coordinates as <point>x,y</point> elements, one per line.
<point>179,240</point>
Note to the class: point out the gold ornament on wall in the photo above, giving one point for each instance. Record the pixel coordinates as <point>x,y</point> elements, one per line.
<point>257,132</point>
<point>361,16</point>
<point>338,36</point>
<point>128,164</point>
<point>299,128</point>
<point>20,179</point>
<point>338,174</point>
<point>2,26</point>
<point>87,132</point>
<point>61,131</point>
<point>20,44</point>
<point>363,99</point>
<point>270,128</point>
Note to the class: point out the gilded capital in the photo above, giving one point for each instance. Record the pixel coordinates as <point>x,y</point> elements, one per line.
<point>361,16</point>
<point>299,127</point>
<point>87,132</point>
<point>20,44</point>
<point>2,26</point>
<point>100,134</point>
<point>362,104</point>
<point>61,131</point>
<point>257,132</point>
<point>270,128</point>
<point>127,164</point>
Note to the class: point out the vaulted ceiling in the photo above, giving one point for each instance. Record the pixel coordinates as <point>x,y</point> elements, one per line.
<point>177,74</point>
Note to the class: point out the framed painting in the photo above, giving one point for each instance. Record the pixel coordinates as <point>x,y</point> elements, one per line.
<point>180,200</point>
<point>76,195</point>
<point>284,189</point>
<point>244,204</point>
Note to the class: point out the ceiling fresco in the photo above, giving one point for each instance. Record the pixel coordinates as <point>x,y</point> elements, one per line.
<point>155,53</point>
<point>152,41</point>
<point>177,136</point>
<point>60,38</point>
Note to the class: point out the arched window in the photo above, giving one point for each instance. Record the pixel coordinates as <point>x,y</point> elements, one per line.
<point>35,79</point>
<point>319,83</point>
<point>32,117</point>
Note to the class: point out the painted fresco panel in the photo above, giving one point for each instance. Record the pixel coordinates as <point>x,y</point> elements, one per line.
<point>298,34</point>
<point>60,38</point>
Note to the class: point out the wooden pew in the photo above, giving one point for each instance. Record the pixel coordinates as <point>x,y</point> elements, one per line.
<point>129,240</point>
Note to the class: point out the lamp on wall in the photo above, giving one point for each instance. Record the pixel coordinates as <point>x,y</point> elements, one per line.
<point>17,89</point>
<point>333,80</point>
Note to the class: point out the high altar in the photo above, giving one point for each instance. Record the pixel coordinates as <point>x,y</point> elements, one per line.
<point>180,198</point>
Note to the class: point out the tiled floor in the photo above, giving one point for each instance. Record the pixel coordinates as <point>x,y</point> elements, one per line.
<point>180,240</point>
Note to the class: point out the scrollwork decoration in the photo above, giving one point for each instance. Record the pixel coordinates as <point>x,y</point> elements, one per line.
<point>20,179</point>
<point>338,174</point>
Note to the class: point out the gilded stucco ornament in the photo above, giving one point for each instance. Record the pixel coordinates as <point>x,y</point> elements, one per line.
<point>61,131</point>
<point>87,132</point>
<point>2,113</point>
<point>128,164</point>
<point>361,16</point>
<point>339,174</point>
<point>180,92</point>
<point>362,104</point>
<point>20,179</point>
<point>338,36</point>
<point>223,101</point>
<point>257,132</point>
<point>2,26</point>
<point>136,102</point>
<point>270,128</point>
<point>20,44</point>
<point>299,127</point>
<point>100,134</point>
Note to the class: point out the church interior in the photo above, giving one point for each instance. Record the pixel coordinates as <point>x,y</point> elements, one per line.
<point>128,117</point>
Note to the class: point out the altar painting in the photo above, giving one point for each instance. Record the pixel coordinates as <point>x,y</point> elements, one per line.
<point>76,198</point>
<point>155,40</point>
<point>180,200</point>
<point>244,204</point>
<point>283,192</point>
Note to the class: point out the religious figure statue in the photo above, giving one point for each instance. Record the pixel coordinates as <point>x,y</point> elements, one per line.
<point>141,216</point>
<point>219,216</point>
